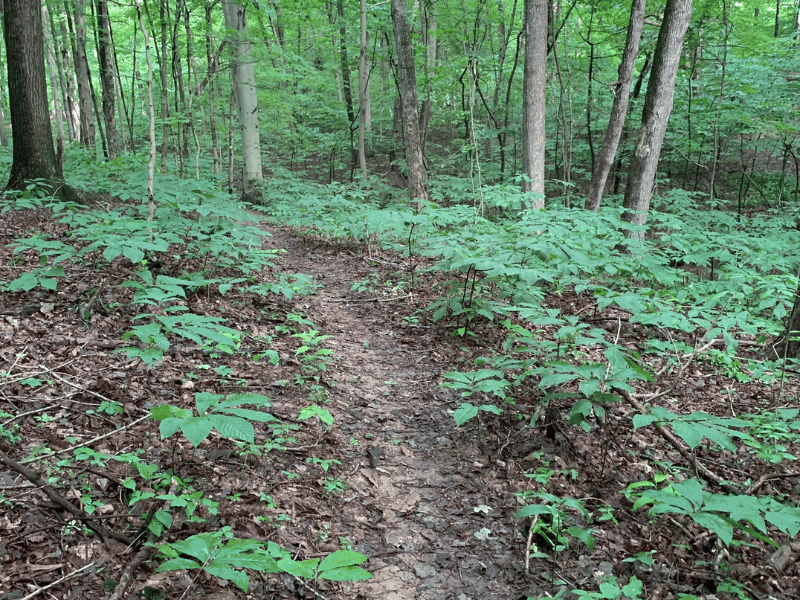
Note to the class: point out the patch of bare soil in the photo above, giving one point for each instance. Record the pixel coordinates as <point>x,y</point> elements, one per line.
<point>431,505</point>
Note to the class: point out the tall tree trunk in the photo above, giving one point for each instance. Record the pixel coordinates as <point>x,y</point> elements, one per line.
<point>163,13</point>
<point>106,61</point>
<point>720,98</point>
<point>428,14</point>
<point>655,115</point>
<point>363,91</point>
<point>616,122</point>
<point>33,155</point>
<point>151,165</point>
<point>247,98</point>
<point>87,130</point>
<point>407,83</point>
<point>533,101</point>
<point>51,67</point>
<point>211,59</point>
<point>3,132</point>
<point>344,63</point>
<point>71,101</point>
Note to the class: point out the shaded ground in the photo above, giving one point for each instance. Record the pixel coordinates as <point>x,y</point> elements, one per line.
<point>433,506</point>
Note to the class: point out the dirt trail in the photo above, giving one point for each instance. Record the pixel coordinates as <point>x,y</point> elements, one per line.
<point>418,492</point>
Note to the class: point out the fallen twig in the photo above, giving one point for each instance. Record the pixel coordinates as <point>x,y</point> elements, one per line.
<point>36,479</point>
<point>87,443</point>
<point>57,581</point>
<point>670,437</point>
<point>410,295</point>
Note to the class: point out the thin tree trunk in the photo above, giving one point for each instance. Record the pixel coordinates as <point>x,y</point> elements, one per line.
<point>212,78</point>
<point>3,130</point>
<point>106,61</point>
<point>428,11</point>
<point>344,63</point>
<point>720,98</point>
<point>655,115</point>
<point>407,83</point>
<point>363,91</point>
<point>533,102</point>
<point>87,130</point>
<point>616,122</point>
<point>71,103</point>
<point>151,165</point>
<point>163,13</point>
<point>51,65</point>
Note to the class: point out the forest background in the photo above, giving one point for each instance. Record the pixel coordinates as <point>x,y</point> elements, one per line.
<point>561,165</point>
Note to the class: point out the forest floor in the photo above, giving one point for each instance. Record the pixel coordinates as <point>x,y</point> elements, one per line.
<point>432,505</point>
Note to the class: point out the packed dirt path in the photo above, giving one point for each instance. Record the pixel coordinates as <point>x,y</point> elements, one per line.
<point>434,515</point>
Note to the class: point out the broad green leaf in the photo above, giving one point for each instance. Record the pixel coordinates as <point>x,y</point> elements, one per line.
<point>205,400</point>
<point>464,413</point>
<point>342,558</point>
<point>197,429</point>
<point>233,427</point>
<point>346,574</point>
<point>715,524</point>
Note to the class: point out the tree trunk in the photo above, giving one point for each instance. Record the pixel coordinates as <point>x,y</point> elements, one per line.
<point>106,61</point>
<point>655,115</point>
<point>71,103</point>
<point>34,156</point>
<point>246,94</point>
<point>51,67</point>
<point>212,79</point>
<point>3,132</point>
<point>616,122</point>
<point>163,12</point>
<point>363,92</point>
<point>151,165</point>
<point>344,64</point>
<point>87,127</point>
<point>407,83</point>
<point>533,101</point>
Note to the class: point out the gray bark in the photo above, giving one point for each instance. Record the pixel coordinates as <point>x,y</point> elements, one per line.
<point>534,86</point>
<point>616,123</point>
<point>655,115</point>
<point>246,96</point>
<point>407,82</point>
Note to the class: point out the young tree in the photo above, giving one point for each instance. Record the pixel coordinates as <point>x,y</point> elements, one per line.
<point>363,91</point>
<point>106,61</point>
<point>616,122</point>
<point>657,108</point>
<point>246,95</point>
<point>534,84</point>
<point>34,156</point>
<point>407,82</point>
<point>87,131</point>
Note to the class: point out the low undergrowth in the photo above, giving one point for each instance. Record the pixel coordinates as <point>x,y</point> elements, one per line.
<point>552,298</point>
<point>559,312</point>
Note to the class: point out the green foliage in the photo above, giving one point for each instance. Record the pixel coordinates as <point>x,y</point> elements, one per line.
<point>720,513</point>
<point>611,590</point>
<point>220,554</point>
<point>214,411</point>
<point>551,522</point>
<point>761,433</point>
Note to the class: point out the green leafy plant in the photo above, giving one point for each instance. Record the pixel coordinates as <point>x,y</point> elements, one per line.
<point>214,412</point>
<point>222,555</point>
<point>610,589</point>
<point>553,528</point>
<point>720,513</point>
